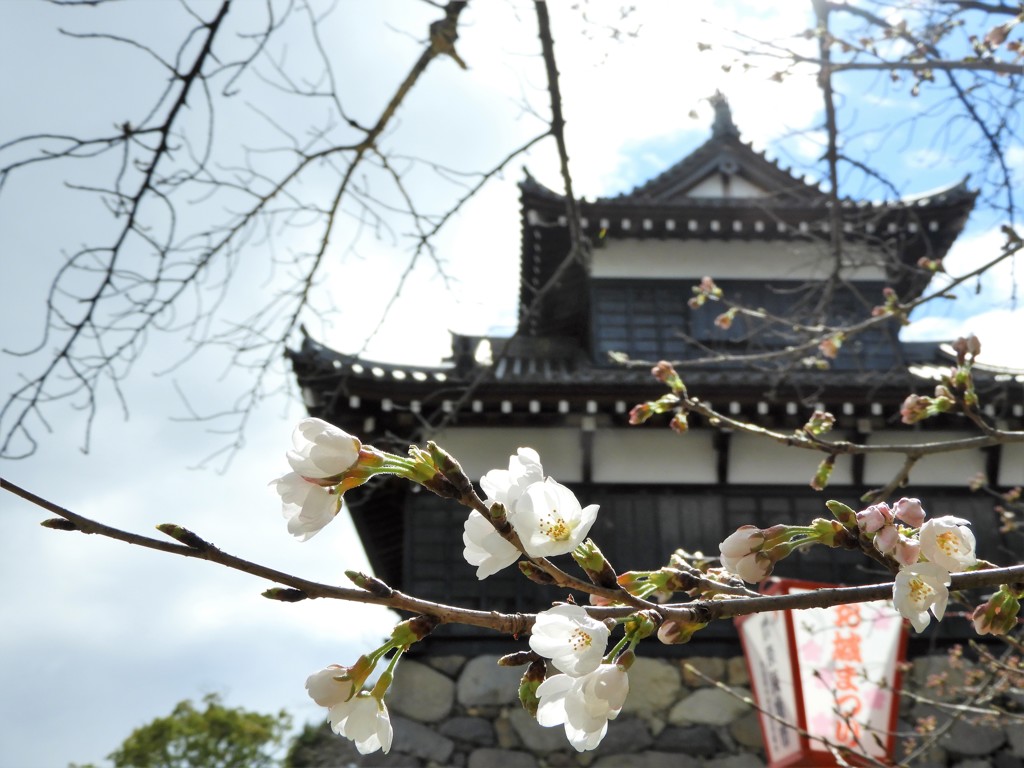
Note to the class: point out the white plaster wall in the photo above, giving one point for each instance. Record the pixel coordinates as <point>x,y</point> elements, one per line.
<point>712,186</point>
<point>754,460</point>
<point>481,449</point>
<point>1011,468</point>
<point>942,469</point>
<point>651,455</point>
<point>723,259</point>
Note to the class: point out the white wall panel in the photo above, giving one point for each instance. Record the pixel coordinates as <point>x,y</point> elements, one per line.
<point>1011,469</point>
<point>722,259</point>
<point>949,469</point>
<point>647,454</point>
<point>758,460</point>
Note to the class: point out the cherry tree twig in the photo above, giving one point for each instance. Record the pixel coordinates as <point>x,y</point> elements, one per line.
<point>512,624</point>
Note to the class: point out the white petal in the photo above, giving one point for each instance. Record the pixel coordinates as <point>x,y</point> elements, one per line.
<point>325,690</point>
<point>552,692</point>
<point>485,547</point>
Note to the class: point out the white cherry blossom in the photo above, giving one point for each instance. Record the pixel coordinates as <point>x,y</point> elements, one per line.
<point>583,705</point>
<point>549,519</point>
<point>948,542</point>
<point>307,505</point>
<point>740,554</point>
<point>568,636</point>
<point>485,547</point>
<point>507,485</point>
<point>325,689</point>
<point>321,450</point>
<point>921,588</point>
<point>361,717</point>
<point>364,720</point>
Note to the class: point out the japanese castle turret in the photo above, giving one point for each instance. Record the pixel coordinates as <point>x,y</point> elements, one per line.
<point>557,385</point>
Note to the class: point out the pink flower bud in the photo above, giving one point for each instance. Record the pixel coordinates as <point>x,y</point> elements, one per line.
<point>874,518</point>
<point>909,511</point>
<point>886,539</point>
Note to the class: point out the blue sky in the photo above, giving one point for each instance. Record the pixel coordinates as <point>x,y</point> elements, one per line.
<point>99,638</point>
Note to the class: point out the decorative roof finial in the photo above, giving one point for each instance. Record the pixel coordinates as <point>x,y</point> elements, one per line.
<point>723,125</point>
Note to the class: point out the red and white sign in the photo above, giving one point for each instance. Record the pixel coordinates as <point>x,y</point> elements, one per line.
<point>834,673</point>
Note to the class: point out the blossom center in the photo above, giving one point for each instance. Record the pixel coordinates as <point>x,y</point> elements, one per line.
<point>554,527</point>
<point>949,543</point>
<point>920,592</point>
<point>579,640</point>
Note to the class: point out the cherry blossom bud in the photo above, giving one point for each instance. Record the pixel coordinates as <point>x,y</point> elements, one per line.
<point>830,347</point>
<point>842,513</point>
<point>820,423</point>
<point>664,372</point>
<point>914,409</point>
<point>534,573</point>
<point>371,584</point>
<point>640,413</point>
<point>679,423</point>
<point>823,473</point>
<point>285,594</point>
<point>874,518</point>
<point>678,632</point>
<point>594,564</point>
<point>413,630</point>
<point>529,684</point>
<point>998,616</point>
<point>321,450</point>
<point>518,659</point>
<point>909,511</point>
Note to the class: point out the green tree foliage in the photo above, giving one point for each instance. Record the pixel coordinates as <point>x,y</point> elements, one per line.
<point>214,737</point>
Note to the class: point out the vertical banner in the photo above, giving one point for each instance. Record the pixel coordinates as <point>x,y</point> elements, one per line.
<point>831,672</point>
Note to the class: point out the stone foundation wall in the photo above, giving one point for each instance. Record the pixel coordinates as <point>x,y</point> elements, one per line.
<point>453,711</point>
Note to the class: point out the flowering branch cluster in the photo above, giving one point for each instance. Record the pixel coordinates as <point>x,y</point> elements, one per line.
<point>572,679</point>
<point>922,553</point>
<point>956,393</point>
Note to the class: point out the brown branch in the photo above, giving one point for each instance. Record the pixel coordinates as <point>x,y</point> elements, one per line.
<point>514,624</point>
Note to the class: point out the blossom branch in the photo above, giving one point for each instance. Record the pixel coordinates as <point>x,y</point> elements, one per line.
<point>515,623</point>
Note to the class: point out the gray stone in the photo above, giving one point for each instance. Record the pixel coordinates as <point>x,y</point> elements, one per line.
<point>421,693</point>
<point>973,764</point>
<point>710,706</point>
<point>965,738</point>
<point>473,730</point>
<point>735,761</point>
<point>696,740</point>
<point>747,731</point>
<point>483,682</point>
<point>1005,760</point>
<point>500,758</point>
<point>1015,735</point>
<point>736,671</point>
<point>507,736</point>
<point>561,760</point>
<point>653,685</point>
<point>711,667</point>
<point>416,739</point>
<point>449,665</point>
<point>627,734</point>
<point>936,678</point>
<point>646,760</point>
<point>534,737</point>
